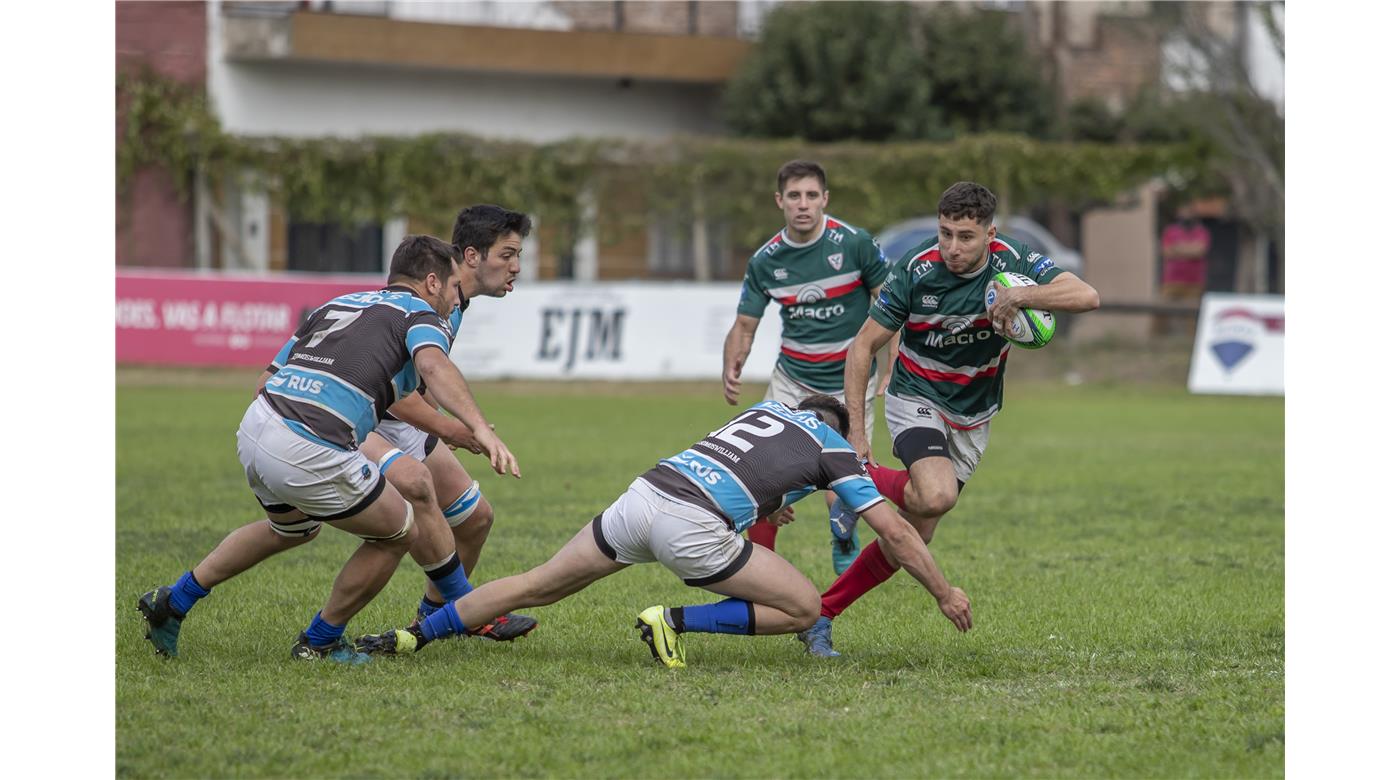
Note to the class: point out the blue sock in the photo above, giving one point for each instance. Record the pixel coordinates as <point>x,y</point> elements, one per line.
<point>450,579</point>
<point>185,592</point>
<point>320,633</point>
<point>427,607</point>
<point>442,623</point>
<point>731,616</point>
<point>453,585</point>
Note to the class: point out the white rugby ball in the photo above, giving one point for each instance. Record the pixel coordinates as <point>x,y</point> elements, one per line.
<point>1030,328</point>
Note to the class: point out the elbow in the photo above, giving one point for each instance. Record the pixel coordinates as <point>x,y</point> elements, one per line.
<point>1092,300</point>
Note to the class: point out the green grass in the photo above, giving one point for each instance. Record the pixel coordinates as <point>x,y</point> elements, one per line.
<point>1122,546</point>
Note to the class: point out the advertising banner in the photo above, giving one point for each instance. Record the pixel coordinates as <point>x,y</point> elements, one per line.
<point>622,330</point>
<point>217,319</point>
<point>1239,345</point>
<point>546,330</point>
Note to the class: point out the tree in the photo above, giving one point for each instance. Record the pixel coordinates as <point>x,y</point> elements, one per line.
<point>1228,107</point>
<point>887,72</point>
<point>982,76</point>
<point>832,72</point>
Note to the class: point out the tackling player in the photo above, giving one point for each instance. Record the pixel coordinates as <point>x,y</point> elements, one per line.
<point>822,273</point>
<point>688,513</point>
<point>947,384</point>
<point>489,238</point>
<point>299,445</point>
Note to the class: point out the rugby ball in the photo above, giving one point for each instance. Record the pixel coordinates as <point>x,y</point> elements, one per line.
<point>1030,328</point>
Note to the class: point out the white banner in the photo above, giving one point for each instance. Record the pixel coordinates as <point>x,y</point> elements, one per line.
<point>622,330</point>
<point>1239,345</point>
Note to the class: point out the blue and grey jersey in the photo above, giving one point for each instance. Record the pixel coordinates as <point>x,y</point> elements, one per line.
<point>761,461</point>
<point>454,324</point>
<point>350,360</point>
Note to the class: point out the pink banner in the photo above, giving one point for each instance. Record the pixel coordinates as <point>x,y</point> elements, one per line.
<point>217,319</point>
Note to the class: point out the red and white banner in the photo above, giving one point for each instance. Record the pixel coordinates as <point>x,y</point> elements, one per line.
<point>543,330</point>
<point>217,319</point>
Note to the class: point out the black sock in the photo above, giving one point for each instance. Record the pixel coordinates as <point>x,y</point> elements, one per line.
<point>676,617</point>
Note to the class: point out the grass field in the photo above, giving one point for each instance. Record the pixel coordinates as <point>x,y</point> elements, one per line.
<point>1122,546</point>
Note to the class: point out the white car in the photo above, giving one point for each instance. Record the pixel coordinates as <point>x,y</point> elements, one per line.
<point>899,238</point>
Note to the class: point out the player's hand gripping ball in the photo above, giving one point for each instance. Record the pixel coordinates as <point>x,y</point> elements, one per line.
<point>1030,328</point>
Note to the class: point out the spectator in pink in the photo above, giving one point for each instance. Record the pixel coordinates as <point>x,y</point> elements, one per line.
<point>1185,243</point>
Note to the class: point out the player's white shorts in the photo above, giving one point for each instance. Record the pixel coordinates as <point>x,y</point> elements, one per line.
<point>786,390</point>
<point>907,417</point>
<point>411,441</point>
<point>646,525</point>
<point>287,471</point>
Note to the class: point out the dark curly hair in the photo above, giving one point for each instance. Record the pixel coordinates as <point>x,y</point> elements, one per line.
<point>968,199</point>
<point>829,406</point>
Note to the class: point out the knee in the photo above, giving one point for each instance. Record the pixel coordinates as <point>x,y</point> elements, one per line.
<point>419,490</point>
<point>480,520</point>
<point>468,513</point>
<point>808,609</point>
<point>414,483</point>
<point>932,503</point>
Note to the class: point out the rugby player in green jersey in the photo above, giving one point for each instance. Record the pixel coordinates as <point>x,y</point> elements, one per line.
<point>822,273</point>
<point>947,382</point>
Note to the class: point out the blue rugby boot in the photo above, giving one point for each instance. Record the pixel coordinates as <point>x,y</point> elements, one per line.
<point>340,651</point>
<point>818,639</point>
<point>845,542</point>
<point>162,621</point>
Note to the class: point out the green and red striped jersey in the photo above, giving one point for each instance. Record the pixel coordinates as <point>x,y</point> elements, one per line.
<point>948,352</point>
<point>823,288</point>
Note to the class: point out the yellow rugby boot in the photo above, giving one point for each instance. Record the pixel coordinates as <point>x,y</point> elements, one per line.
<point>663,642</point>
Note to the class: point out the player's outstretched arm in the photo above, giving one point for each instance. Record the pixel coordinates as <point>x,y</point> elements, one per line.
<point>736,351</point>
<point>903,542</point>
<point>872,336</point>
<point>446,384</point>
<point>417,411</point>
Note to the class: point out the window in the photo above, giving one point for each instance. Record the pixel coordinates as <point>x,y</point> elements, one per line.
<point>333,248</point>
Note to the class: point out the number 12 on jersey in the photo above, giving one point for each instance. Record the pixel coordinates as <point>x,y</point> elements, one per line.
<point>768,427</point>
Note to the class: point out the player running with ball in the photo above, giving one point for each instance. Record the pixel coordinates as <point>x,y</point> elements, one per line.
<point>947,381</point>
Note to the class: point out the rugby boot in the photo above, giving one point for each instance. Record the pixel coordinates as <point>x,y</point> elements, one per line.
<point>397,641</point>
<point>506,628</point>
<point>340,651</point>
<point>663,642</point>
<point>162,621</point>
<point>818,639</point>
<point>845,542</point>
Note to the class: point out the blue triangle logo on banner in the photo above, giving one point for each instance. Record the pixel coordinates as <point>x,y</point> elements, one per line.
<point>1230,353</point>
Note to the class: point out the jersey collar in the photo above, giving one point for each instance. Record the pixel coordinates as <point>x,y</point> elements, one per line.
<point>404,288</point>
<point>978,272</point>
<point>820,233</point>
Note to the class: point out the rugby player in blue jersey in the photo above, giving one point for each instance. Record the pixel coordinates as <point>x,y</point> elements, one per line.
<point>688,513</point>
<point>299,444</point>
<point>453,516</point>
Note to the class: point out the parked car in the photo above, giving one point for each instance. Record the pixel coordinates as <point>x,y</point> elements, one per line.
<point>899,238</point>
